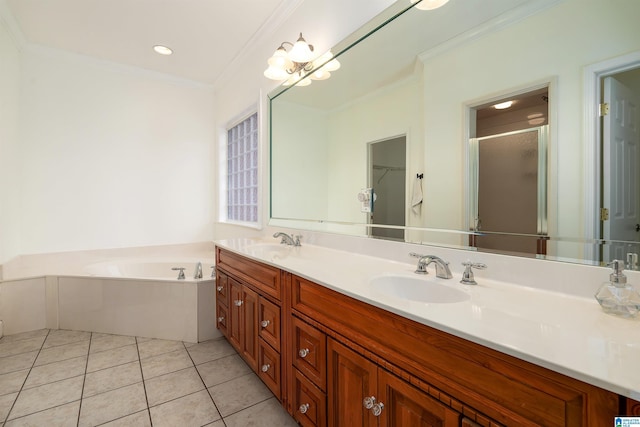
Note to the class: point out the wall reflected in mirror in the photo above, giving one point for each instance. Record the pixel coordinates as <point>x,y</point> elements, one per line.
<point>424,75</point>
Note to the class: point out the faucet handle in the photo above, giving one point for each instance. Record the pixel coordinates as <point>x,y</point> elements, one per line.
<point>467,275</point>
<point>181,275</point>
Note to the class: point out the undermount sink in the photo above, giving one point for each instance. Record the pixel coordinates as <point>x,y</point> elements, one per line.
<point>268,249</point>
<point>419,289</point>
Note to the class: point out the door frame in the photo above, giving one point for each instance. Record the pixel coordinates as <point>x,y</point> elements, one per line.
<point>593,75</point>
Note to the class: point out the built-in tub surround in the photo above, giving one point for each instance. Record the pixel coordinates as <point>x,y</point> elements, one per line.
<point>562,329</point>
<point>126,292</point>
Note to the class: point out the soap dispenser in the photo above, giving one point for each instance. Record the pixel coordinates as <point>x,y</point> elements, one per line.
<point>616,296</point>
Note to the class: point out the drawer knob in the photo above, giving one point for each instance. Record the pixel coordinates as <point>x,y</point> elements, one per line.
<point>220,288</point>
<point>304,352</point>
<point>303,408</point>
<point>368,402</point>
<point>264,323</point>
<point>265,368</point>
<point>220,319</point>
<point>377,409</point>
<point>238,302</point>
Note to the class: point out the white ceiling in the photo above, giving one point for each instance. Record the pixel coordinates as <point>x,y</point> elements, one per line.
<point>205,35</point>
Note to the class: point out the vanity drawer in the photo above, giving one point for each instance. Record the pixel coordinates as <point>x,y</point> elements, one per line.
<point>269,367</point>
<point>222,288</point>
<point>309,402</point>
<point>264,277</point>
<point>269,323</point>
<point>310,352</point>
<point>221,317</point>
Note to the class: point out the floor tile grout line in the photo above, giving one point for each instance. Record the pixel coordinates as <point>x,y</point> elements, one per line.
<point>6,419</point>
<point>250,406</point>
<point>144,385</point>
<point>125,416</point>
<point>84,379</point>
<point>43,410</point>
<point>205,385</point>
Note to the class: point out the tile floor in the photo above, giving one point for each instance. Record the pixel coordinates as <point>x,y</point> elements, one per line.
<point>73,378</point>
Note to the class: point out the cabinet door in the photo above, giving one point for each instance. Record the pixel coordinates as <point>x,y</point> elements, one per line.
<point>249,332</point>
<point>309,352</point>
<point>405,405</point>
<point>234,323</point>
<point>309,402</point>
<point>222,318</point>
<point>269,323</point>
<point>351,379</point>
<point>269,373</point>
<point>222,288</point>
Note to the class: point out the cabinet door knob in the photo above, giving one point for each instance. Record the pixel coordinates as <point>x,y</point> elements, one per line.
<point>368,402</point>
<point>220,319</point>
<point>264,323</point>
<point>220,288</point>
<point>304,352</point>
<point>377,409</point>
<point>238,302</point>
<point>303,408</point>
<point>265,368</point>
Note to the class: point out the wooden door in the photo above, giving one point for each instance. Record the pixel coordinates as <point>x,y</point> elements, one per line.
<point>621,141</point>
<point>351,379</point>
<point>405,405</point>
<point>250,327</point>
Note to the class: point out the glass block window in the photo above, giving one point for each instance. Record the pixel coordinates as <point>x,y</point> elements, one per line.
<point>242,171</point>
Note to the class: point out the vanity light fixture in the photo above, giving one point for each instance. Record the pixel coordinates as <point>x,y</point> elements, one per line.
<point>503,105</point>
<point>429,4</point>
<point>162,50</point>
<point>294,65</point>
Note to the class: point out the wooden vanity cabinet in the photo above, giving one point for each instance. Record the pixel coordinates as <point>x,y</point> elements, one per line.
<point>323,353</point>
<point>248,309</point>
<point>488,387</point>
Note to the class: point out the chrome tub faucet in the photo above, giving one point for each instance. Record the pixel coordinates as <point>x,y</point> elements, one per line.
<point>198,271</point>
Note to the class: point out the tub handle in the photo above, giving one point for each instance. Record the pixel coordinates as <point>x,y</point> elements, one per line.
<point>181,274</point>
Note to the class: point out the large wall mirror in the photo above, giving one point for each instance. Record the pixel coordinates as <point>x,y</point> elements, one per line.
<point>430,81</point>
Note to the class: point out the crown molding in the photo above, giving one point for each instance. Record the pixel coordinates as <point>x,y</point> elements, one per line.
<point>502,21</point>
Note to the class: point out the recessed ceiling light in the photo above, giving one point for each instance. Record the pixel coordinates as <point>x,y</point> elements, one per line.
<point>162,50</point>
<point>503,105</point>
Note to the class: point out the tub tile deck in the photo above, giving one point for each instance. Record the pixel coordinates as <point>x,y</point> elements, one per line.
<point>71,378</point>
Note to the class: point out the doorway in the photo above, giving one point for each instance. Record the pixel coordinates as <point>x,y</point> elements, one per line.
<point>387,178</point>
<point>620,161</point>
<point>508,174</point>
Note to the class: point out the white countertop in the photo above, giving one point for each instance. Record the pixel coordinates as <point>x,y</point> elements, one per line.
<point>565,333</point>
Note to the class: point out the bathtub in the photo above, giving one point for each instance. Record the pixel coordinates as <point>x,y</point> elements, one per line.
<point>148,268</point>
<point>138,296</point>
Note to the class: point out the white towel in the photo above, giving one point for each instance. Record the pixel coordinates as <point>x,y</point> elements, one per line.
<point>416,198</point>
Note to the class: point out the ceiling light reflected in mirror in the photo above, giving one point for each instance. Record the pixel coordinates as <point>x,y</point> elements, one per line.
<point>428,4</point>
<point>162,50</point>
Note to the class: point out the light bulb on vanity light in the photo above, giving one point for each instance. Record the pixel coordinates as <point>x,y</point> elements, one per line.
<point>429,4</point>
<point>297,66</point>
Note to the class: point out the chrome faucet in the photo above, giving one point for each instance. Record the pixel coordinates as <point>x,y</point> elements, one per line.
<point>442,267</point>
<point>287,239</point>
<point>198,272</point>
